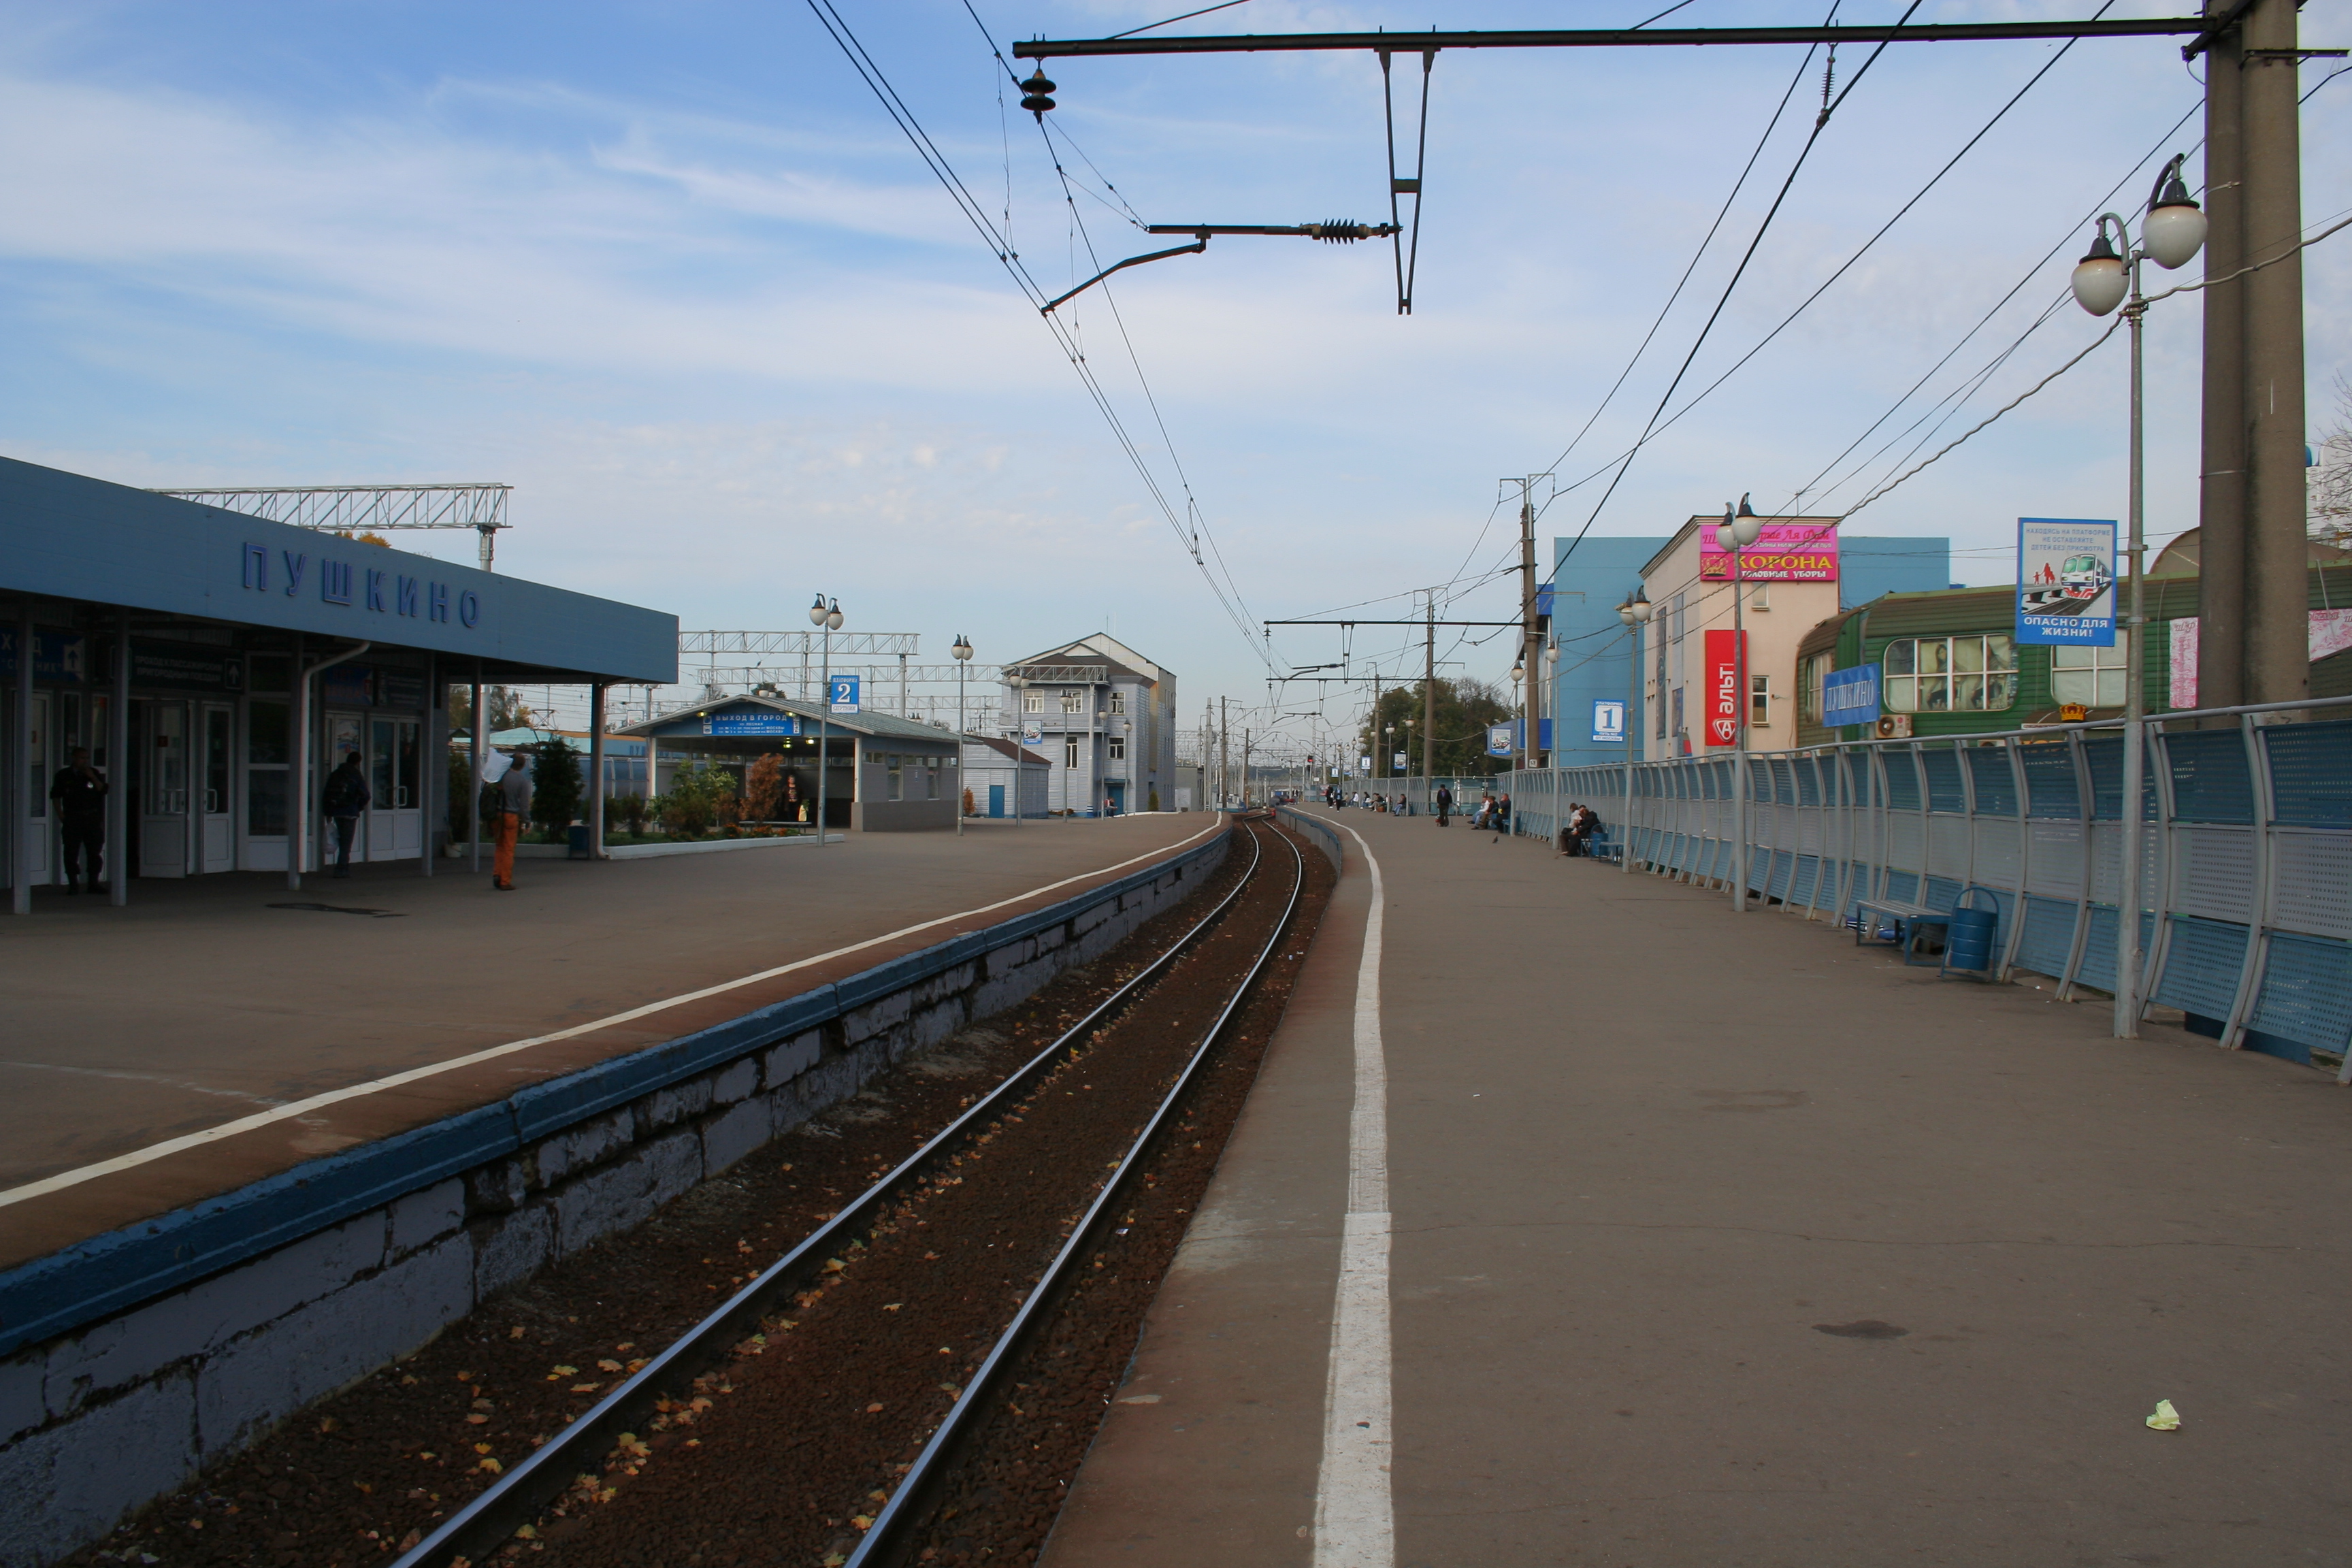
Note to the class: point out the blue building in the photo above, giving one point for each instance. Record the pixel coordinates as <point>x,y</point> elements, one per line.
<point>1589,651</point>
<point>215,665</point>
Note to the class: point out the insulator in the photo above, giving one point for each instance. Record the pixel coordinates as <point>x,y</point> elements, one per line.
<point>1037,85</point>
<point>1337,231</point>
<point>1037,103</point>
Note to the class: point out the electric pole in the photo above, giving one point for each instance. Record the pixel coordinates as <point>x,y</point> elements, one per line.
<point>1530,706</point>
<point>1224,758</point>
<point>1428,698</point>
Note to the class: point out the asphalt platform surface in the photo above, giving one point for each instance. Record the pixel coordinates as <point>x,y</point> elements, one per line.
<point>1719,1241</point>
<point>205,1001</point>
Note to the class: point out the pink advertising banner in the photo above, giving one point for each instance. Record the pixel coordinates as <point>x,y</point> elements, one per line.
<point>1783,552</point>
<point>2330,633</point>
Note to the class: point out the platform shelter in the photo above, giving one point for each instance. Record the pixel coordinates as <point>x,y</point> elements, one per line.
<point>215,665</point>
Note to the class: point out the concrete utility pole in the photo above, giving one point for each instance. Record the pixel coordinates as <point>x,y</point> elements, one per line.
<point>1531,709</point>
<point>2252,600</point>
<point>1380,763</point>
<point>1224,756</point>
<point>1428,699</point>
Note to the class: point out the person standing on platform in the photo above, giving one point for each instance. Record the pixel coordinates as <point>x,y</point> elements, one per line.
<point>1445,803</point>
<point>79,792</point>
<point>345,797</point>
<point>514,810</point>
<point>1501,817</point>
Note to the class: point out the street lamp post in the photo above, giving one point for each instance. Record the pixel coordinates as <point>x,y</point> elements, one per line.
<point>1519,688</point>
<point>1739,530</point>
<point>826,615</point>
<point>961,648</point>
<point>2171,235</point>
<point>1408,757</point>
<point>1633,612</point>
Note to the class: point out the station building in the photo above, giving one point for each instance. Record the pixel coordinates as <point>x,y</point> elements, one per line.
<point>1104,718</point>
<point>217,664</point>
<point>881,773</point>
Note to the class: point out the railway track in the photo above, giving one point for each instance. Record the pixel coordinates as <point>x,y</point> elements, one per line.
<point>603,1437</point>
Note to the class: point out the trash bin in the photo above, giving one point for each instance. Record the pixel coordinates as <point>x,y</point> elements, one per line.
<point>578,838</point>
<point>1968,944</point>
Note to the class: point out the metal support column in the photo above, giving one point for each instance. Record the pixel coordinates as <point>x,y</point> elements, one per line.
<point>480,722</point>
<point>22,781</point>
<point>596,770</point>
<point>118,770</point>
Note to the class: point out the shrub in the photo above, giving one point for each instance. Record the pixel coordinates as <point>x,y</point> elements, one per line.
<point>628,811</point>
<point>555,791</point>
<point>970,808</point>
<point>1155,800</point>
<point>692,804</point>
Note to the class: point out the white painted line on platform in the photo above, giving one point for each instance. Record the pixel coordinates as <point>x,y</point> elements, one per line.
<point>1355,1521</point>
<point>319,1101</point>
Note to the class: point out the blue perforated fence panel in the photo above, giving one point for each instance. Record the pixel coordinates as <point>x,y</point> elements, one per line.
<point>2098,966</point>
<point>2200,966</point>
<point>1802,882</point>
<point>2048,937</point>
<point>2051,789</point>
<point>1903,886</point>
<point>1942,893</point>
<point>2210,782</point>
<point>1902,780</point>
<point>1989,774</point>
<point>2311,773</point>
<point>1942,767</point>
<point>1784,864</point>
<point>2305,998</point>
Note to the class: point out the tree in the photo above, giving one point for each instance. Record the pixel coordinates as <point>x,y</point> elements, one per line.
<point>556,786</point>
<point>1465,708</point>
<point>763,788</point>
<point>2331,480</point>
<point>506,709</point>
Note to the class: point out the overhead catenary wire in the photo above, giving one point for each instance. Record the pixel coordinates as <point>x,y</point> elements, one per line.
<point>1738,272</point>
<point>903,116</point>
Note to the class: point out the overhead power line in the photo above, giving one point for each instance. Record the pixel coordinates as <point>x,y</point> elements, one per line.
<point>903,115</point>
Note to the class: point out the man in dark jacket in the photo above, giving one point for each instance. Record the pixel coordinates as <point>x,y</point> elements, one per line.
<point>80,793</point>
<point>346,796</point>
<point>1445,803</point>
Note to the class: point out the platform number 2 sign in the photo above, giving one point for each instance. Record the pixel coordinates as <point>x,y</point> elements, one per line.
<point>844,697</point>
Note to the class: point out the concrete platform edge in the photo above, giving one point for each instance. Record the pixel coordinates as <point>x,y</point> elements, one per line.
<point>207,1326</point>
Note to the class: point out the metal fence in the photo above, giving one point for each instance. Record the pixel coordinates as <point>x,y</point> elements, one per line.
<point>2246,851</point>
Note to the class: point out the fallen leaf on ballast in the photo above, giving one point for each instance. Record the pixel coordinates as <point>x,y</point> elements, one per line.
<point>1141,1399</point>
<point>2166,1419</point>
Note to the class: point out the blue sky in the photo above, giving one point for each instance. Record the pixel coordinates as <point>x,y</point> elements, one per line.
<point>670,271</point>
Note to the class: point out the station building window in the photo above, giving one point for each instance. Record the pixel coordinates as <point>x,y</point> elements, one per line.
<point>894,763</point>
<point>1118,748</point>
<point>1074,701</point>
<point>1118,701</point>
<point>2092,677</point>
<point>1950,675</point>
<point>1033,702</point>
<point>1070,750</point>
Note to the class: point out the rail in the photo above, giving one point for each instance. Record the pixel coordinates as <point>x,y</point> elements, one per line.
<point>492,1519</point>
<point>2245,850</point>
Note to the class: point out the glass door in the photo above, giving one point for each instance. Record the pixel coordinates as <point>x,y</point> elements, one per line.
<point>395,817</point>
<point>268,725</point>
<point>163,791</point>
<point>214,820</point>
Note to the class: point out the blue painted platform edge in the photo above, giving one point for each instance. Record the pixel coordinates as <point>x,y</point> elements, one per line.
<point>111,1273</point>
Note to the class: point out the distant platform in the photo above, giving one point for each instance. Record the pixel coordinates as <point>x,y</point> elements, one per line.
<point>210,1002</point>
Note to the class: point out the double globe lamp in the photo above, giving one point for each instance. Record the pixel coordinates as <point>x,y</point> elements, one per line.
<point>2171,233</point>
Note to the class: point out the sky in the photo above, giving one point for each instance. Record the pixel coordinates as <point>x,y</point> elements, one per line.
<point>672,272</point>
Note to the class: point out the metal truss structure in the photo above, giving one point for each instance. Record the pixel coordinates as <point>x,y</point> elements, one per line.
<point>370,509</point>
<point>801,644</point>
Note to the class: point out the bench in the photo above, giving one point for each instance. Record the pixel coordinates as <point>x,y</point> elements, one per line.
<point>1911,922</point>
<point>1914,921</point>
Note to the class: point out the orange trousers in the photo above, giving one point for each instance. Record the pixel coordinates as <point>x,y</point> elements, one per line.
<point>502,862</point>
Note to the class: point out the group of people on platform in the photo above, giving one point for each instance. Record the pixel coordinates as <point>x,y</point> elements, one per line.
<point>1577,829</point>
